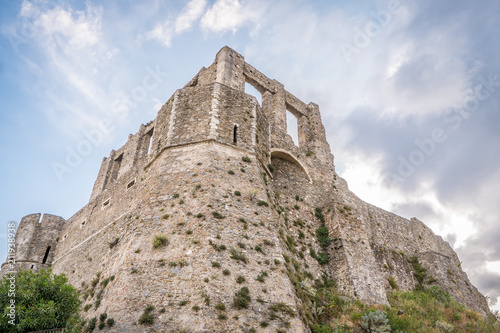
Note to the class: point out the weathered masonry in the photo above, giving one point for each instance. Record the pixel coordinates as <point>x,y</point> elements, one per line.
<point>218,177</point>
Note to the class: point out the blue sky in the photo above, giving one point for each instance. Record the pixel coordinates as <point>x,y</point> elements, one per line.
<point>409,93</point>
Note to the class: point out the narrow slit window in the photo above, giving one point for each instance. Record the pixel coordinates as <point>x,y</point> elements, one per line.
<point>32,266</point>
<point>235,134</point>
<point>132,183</point>
<point>46,255</point>
<point>83,224</point>
<point>105,203</point>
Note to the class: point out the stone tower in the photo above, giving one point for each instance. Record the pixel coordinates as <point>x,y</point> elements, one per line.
<point>237,203</point>
<point>35,242</point>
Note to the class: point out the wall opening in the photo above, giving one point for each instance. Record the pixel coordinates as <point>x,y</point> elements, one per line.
<point>82,224</point>
<point>292,127</point>
<point>32,266</point>
<point>105,203</point>
<point>235,134</point>
<point>132,183</point>
<point>249,89</point>
<point>46,255</point>
<point>116,167</point>
<point>148,139</point>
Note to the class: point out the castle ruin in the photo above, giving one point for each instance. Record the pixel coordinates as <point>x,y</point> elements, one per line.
<point>217,175</point>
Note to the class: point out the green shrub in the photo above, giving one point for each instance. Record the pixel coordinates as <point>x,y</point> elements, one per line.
<point>261,277</point>
<point>39,297</point>
<point>147,318</point>
<point>215,264</point>
<point>392,283</point>
<point>237,255</point>
<point>114,242</point>
<point>226,272</point>
<point>322,258</point>
<point>270,167</point>
<point>220,307</point>
<point>196,308</point>
<point>231,172</point>
<point>110,322</point>
<point>322,328</point>
<point>419,271</point>
<point>91,325</point>
<point>259,249</point>
<point>262,203</point>
<point>319,214</point>
<point>322,236</point>
<point>242,298</point>
<point>237,193</point>
<point>218,215</point>
<point>103,316</point>
<point>159,240</point>
<point>240,279</point>
<point>246,159</point>
<point>376,322</point>
<point>166,216</point>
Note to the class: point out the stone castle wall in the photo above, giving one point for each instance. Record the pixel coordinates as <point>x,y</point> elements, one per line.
<point>196,175</point>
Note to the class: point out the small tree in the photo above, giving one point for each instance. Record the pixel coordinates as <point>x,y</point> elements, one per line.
<point>42,301</point>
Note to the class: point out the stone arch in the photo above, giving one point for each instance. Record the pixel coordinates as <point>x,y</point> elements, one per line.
<point>288,156</point>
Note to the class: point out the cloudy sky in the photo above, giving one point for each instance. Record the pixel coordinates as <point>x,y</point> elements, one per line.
<point>409,92</point>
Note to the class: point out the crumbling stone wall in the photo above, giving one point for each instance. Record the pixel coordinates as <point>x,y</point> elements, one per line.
<point>218,200</point>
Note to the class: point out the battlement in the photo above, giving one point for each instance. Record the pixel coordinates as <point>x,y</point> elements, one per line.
<point>213,106</point>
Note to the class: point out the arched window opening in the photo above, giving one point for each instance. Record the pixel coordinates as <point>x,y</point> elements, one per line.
<point>235,134</point>
<point>46,255</point>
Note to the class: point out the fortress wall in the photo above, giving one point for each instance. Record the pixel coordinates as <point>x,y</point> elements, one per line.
<point>380,245</point>
<point>141,278</point>
<point>262,135</point>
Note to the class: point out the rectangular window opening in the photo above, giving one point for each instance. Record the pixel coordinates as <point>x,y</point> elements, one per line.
<point>249,89</point>
<point>32,266</point>
<point>132,183</point>
<point>292,127</point>
<point>82,224</point>
<point>46,255</point>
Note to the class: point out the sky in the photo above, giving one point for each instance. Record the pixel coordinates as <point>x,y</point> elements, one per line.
<point>409,93</point>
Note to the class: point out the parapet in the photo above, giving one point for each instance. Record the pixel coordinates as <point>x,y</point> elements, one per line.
<point>214,106</point>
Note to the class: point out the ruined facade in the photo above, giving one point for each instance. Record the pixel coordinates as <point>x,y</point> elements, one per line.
<point>217,174</point>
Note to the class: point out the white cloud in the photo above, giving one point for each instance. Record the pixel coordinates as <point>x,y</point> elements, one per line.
<point>189,15</point>
<point>163,33</point>
<point>73,59</point>
<point>229,15</point>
